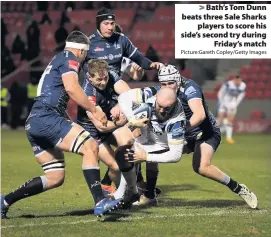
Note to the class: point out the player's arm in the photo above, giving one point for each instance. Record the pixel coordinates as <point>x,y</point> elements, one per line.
<point>134,71</point>
<point>240,97</point>
<point>111,126</point>
<point>221,93</point>
<point>194,99</point>
<point>131,52</point>
<point>75,91</point>
<point>174,152</point>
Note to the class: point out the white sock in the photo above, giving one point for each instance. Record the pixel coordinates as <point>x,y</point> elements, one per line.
<point>229,131</point>
<point>226,179</point>
<point>121,189</point>
<point>222,128</point>
<point>130,178</point>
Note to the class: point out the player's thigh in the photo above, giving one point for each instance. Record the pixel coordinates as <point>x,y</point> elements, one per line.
<point>205,149</point>
<point>230,117</point>
<point>220,117</point>
<point>78,140</point>
<point>107,156</point>
<point>123,136</point>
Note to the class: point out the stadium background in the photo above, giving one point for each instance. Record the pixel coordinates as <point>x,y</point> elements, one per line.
<point>33,32</point>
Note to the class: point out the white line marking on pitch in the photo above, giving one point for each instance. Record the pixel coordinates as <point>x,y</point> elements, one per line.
<point>131,218</point>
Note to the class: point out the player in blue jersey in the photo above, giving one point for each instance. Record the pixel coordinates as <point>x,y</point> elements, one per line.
<point>103,87</point>
<point>112,46</point>
<point>202,132</point>
<point>50,133</point>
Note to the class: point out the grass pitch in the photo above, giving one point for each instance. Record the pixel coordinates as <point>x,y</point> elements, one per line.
<point>189,206</point>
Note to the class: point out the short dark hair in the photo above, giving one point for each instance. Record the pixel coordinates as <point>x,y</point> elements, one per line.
<point>78,37</point>
<point>97,66</point>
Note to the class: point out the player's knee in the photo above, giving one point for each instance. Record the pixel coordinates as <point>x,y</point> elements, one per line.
<point>123,164</point>
<point>90,147</point>
<point>114,167</point>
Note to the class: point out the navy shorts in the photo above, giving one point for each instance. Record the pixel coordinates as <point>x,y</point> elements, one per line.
<point>46,129</point>
<point>213,140</point>
<point>94,132</point>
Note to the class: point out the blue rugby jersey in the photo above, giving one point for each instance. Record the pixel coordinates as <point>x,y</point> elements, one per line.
<point>113,49</point>
<point>51,91</point>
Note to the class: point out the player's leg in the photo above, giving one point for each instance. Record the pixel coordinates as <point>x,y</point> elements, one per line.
<point>52,162</point>
<point>125,139</point>
<point>107,156</point>
<point>230,118</point>
<point>149,196</point>
<point>79,141</point>
<point>202,158</point>
<point>220,118</point>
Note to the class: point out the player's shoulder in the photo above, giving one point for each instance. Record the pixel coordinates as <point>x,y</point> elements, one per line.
<point>243,85</point>
<point>119,34</point>
<point>191,88</point>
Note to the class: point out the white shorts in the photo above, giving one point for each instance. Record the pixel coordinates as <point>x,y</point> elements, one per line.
<point>228,108</point>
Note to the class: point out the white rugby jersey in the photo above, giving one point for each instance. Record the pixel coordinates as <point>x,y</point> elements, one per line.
<point>230,93</point>
<point>162,140</point>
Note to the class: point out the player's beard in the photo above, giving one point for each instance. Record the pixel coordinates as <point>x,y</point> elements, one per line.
<point>162,117</point>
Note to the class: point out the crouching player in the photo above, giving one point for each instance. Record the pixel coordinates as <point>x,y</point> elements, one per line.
<point>102,88</point>
<point>160,140</point>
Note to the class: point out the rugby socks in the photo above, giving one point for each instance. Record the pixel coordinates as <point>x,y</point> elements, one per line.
<point>106,180</point>
<point>130,177</point>
<point>139,176</point>
<point>92,177</point>
<point>151,179</point>
<point>229,131</point>
<point>121,189</point>
<point>30,188</point>
<point>234,186</point>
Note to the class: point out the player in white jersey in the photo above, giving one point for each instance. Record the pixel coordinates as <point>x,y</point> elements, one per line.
<point>230,96</point>
<point>161,136</point>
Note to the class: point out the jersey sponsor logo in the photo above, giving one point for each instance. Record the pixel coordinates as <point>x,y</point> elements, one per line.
<point>74,65</point>
<point>92,99</point>
<point>110,56</point>
<point>98,49</point>
<point>107,45</point>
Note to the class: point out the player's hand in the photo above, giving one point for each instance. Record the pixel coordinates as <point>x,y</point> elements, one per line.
<point>100,115</point>
<point>115,112</point>
<point>138,123</point>
<point>137,156</point>
<point>157,65</point>
<point>121,120</point>
<point>137,67</point>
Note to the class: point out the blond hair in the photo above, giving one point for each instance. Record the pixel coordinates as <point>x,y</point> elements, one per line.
<point>97,66</point>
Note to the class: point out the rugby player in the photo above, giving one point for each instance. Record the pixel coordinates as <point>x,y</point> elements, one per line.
<point>230,96</point>
<point>202,132</point>
<point>50,133</point>
<point>102,88</point>
<point>161,137</point>
<point>112,46</point>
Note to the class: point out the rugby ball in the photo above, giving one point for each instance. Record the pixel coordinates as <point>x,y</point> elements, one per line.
<point>142,110</point>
